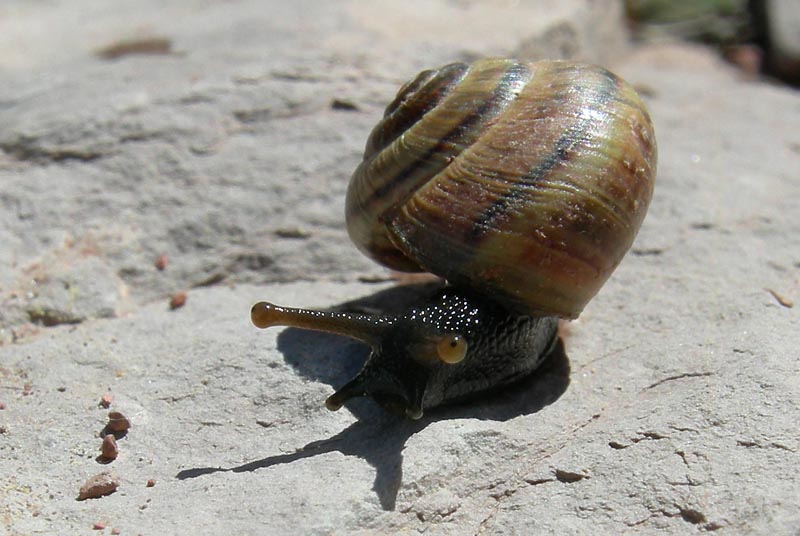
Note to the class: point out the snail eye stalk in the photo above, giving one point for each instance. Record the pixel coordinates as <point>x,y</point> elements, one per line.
<point>452,349</point>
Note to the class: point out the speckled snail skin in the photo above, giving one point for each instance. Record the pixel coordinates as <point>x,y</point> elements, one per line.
<point>521,184</point>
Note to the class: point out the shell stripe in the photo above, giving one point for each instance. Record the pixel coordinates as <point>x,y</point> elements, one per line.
<point>559,155</point>
<point>466,131</point>
<point>412,102</point>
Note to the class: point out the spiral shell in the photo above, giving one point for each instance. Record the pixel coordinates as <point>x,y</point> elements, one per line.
<point>526,182</point>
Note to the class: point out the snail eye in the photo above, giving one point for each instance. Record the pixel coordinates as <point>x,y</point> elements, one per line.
<point>452,349</point>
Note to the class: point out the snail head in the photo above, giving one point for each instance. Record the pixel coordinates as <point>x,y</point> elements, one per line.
<point>412,357</point>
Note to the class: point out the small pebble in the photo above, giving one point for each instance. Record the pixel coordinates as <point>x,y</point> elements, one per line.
<point>177,300</point>
<point>109,450</point>
<point>291,232</point>
<point>99,485</point>
<point>105,400</point>
<point>162,261</point>
<point>151,482</point>
<point>117,422</point>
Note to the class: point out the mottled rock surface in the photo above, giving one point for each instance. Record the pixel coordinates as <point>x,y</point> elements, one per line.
<point>222,135</point>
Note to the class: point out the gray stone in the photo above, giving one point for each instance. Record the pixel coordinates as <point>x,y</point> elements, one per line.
<point>674,411</point>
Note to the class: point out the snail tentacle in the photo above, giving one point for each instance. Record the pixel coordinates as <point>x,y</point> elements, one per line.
<point>365,328</point>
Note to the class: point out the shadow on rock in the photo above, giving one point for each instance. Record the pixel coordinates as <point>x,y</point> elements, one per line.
<point>379,437</point>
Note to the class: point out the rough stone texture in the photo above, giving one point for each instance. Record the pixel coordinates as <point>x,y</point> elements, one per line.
<point>675,411</point>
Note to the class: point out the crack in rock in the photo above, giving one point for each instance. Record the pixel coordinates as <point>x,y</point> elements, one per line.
<point>692,516</point>
<point>568,477</point>
<point>24,150</point>
<point>679,377</point>
<point>536,482</point>
<point>52,317</point>
<point>773,445</point>
<point>648,435</point>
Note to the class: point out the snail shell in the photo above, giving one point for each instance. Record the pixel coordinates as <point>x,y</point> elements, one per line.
<point>525,182</point>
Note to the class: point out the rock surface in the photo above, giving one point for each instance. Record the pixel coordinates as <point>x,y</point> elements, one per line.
<point>222,135</point>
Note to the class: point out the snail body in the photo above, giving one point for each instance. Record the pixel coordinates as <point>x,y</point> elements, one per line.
<point>449,348</point>
<point>521,184</point>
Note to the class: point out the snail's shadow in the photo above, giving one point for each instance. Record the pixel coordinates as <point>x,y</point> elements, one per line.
<point>379,437</point>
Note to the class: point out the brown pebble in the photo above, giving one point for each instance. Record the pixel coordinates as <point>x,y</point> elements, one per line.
<point>2,406</point>
<point>105,400</point>
<point>115,531</point>
<point>151,482</point>
<point>100,525</point>
<point>162,261</point>
<point>109,450</point>
<point>177,300</point>
<point>99,485</point>
<point>117,422</point>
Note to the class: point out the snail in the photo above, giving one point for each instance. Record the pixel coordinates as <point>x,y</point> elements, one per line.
<point>522,185</point>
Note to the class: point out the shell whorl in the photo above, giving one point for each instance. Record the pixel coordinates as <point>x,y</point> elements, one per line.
<point>526,182</point>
